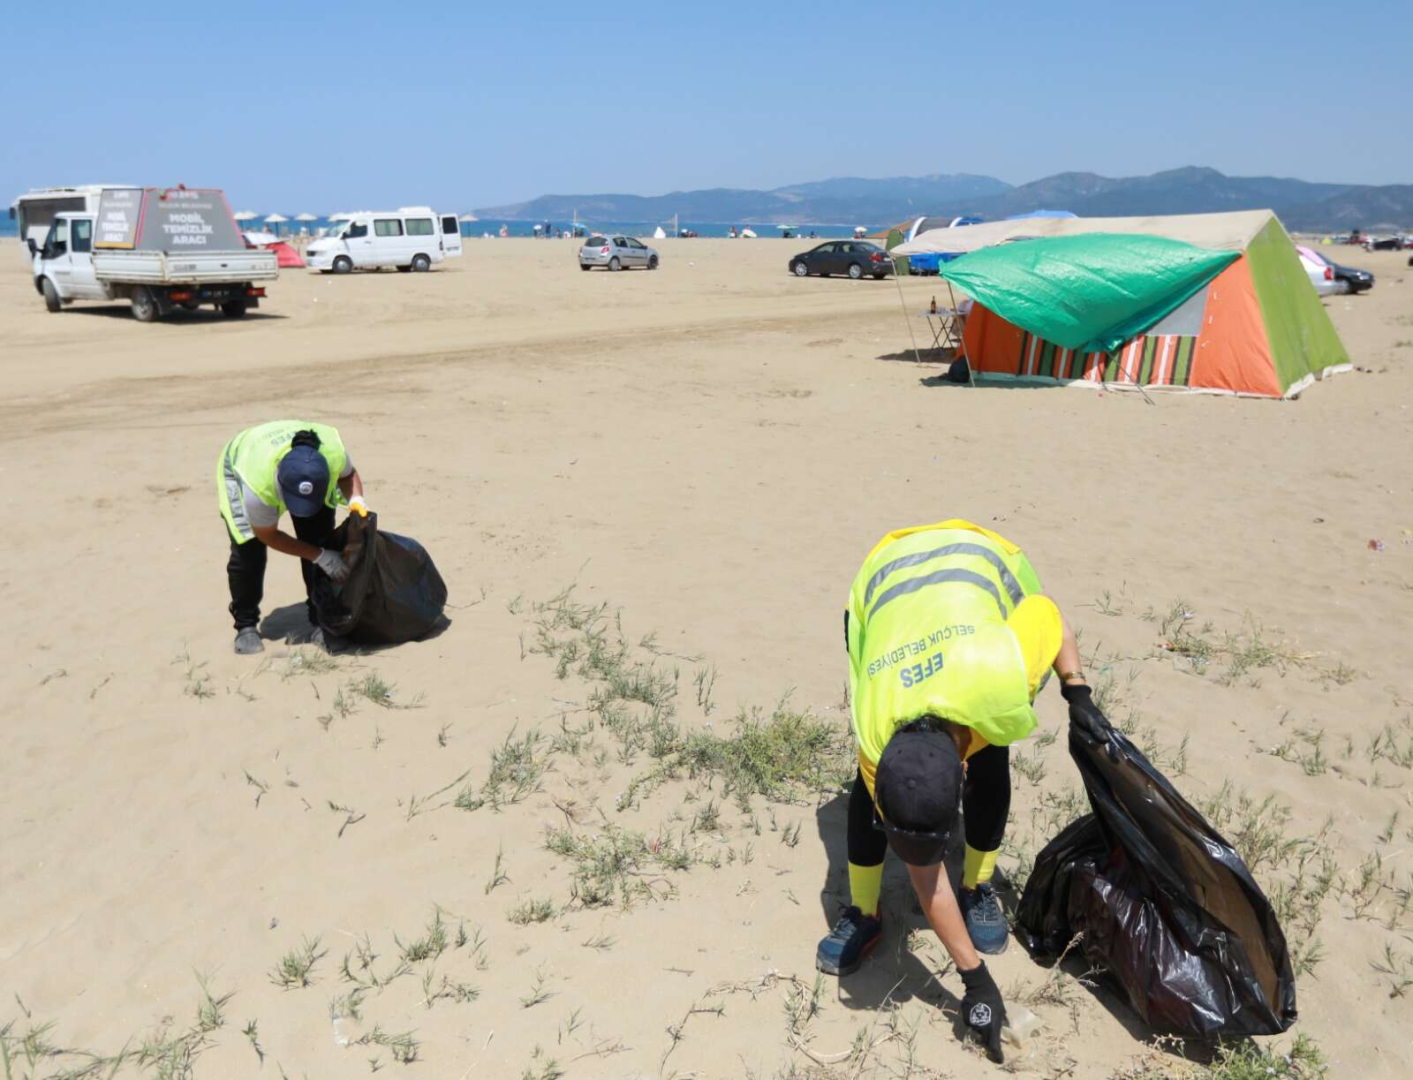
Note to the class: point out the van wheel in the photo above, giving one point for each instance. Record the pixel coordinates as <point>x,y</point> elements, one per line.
<point>51,295</point>
<point>144,305</point>
<point>343,265</point>
<point>233,309</point>
<point>652,263</point>
<point>614,264</point>
<point>421,264</point>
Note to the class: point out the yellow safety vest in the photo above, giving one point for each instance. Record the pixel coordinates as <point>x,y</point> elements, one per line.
<point>253,457</point>
<point>928,636</point>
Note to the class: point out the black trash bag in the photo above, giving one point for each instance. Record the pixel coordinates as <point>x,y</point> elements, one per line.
<point>1164,904</point>
<point>393,592</point>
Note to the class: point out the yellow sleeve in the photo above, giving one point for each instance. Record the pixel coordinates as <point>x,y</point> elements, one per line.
<point>1038,627</point>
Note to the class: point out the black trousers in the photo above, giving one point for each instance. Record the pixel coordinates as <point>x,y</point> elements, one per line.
<point>245,569</point>
<point>986,804</point>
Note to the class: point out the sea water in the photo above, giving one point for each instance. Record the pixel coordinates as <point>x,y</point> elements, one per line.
<point>476,229</point>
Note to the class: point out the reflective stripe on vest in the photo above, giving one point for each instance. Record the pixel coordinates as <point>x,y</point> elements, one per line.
<point>928,637</point>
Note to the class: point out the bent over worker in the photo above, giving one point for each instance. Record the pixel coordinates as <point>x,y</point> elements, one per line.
<point>283,465</point>
<point>949,641</point>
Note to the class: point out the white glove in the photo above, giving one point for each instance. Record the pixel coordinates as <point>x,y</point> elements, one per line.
<point>331,562</point>
<point>357,505</point>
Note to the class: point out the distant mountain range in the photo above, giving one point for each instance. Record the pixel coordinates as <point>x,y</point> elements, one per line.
<point>853,200</point>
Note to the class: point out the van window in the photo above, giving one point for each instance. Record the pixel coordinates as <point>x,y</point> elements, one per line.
<point>420,227</point>
<point>354,231</point>
<point>82,238</point>
<point>450,226</point>
<point>387,227</point>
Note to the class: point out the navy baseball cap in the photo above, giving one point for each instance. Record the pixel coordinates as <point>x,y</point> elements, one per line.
<point>303,477</point>
<point>918,793</point>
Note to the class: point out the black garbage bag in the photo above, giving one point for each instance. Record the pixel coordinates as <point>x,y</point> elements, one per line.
<point>393,592</point>
<point>1163,902</point>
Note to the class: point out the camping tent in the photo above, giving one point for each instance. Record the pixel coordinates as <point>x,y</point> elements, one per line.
<point>286,256</point>
<point>1217,303</point>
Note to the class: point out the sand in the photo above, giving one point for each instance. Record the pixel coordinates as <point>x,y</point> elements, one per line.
<point>710,450</point>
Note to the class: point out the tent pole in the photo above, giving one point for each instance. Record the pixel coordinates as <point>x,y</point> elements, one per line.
<point>951,296</point>
<point>898,280</point>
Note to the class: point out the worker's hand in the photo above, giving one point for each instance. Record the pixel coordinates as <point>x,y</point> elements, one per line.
<point>1085,716</point>
<point>983,1011</point>
<point>357,505</point>
<point>331,562</point>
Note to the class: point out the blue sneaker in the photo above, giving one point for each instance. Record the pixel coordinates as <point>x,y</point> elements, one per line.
<point>986,922</point>
<point>853,938</point>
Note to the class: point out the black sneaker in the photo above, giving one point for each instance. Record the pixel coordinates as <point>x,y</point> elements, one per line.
<point>986,922</point>
<point>853,938</point>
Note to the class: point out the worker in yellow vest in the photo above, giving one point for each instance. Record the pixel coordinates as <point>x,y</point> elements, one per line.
<point>283,465</point>
<point>949,641</point>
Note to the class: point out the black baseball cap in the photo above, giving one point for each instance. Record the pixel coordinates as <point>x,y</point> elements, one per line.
<point>917,791</point>
<point>303,477</point>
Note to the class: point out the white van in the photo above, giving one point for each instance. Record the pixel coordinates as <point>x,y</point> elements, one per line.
<point>410,238</point>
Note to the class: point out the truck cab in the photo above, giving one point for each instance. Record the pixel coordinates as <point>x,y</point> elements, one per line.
<point>63,264</point>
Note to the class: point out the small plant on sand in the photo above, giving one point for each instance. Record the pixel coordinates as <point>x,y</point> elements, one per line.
<point>516,768</point>
<point>403,1046</point>
<point>539,991</point>
<point>531,911</point>
<point>196,679</point>
<point>358,967</point>
<point>429,945</point>
<point>609,866</point>
<point>296,967</point>
<point>498,874</point>
<point>381,692</point>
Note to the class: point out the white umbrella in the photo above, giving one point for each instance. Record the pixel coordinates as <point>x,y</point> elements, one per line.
<point>468,217</point>
<point>305,217</point>
<point>275,219</point>
<point>246,215</point>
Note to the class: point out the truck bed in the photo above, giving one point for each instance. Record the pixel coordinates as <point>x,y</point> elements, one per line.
<point>195,268</point>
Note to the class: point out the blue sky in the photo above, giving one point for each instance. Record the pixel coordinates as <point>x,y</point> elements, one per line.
<point>323,106</point>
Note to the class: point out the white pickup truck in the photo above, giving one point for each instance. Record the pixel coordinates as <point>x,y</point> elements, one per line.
<point>158,249</point>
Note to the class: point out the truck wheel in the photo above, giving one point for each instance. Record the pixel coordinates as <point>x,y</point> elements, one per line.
<point>233,309</point>
<point>421,264</point>
<point>51,295</point>
<point>144,304</point>
<point>343,265</point>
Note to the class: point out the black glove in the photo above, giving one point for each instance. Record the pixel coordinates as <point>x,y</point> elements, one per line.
<point>983,1011</point>
<point>1085,716</point>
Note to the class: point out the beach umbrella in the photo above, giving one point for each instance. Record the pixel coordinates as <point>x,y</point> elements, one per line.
<point>306,216</point>
<point>246,215</point>
<point>276,220</point>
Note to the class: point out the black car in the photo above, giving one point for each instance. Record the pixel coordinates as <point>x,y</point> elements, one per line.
<point>857,258</point>
<point>1354,280</point>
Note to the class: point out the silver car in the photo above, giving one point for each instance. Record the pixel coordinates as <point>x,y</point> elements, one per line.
<point>616,253</point>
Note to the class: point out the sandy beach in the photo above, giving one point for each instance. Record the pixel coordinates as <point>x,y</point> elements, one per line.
<point>709,451</point>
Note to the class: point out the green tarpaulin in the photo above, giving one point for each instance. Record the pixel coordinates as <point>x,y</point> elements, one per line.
<point>1090,292</point>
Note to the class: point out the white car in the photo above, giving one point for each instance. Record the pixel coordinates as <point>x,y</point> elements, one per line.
<point>616,253</point>
<point>1320,272</point>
